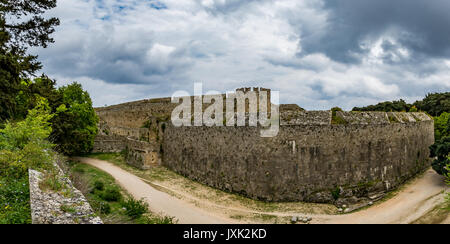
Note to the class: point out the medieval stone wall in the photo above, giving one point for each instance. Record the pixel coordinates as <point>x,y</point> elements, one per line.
<point>317,162</point>
<point>314,157</point>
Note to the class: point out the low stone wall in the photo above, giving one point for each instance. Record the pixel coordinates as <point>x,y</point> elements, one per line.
<point>52,208</point>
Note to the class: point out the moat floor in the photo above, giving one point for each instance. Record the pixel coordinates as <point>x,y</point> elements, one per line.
<point>411,203</point>
<point>159,202</point>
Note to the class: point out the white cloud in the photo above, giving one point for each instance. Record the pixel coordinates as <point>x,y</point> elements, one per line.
<point>127,50</point>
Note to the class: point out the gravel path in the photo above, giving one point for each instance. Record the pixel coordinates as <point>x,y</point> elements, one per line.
<point>413,201</point>
<point>159,202</point>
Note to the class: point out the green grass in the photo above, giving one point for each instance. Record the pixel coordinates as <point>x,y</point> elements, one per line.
<point>96,184</point>
<point>14,201</point>
<point>68,209</point>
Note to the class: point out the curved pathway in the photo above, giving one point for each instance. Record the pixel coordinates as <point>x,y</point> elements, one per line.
<point>415,200</point>
<point>412,202</point>
<point>159,202</point>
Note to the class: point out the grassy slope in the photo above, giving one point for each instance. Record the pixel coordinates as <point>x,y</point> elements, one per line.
<point>84,178</point>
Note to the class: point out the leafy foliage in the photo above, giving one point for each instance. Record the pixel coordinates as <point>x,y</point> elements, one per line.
<point>435,103</point>
<point>111,195</point>
<point>441,148</point>
<point>335,119</point>
<point>135,208</point>
<point>21,26</point>
<point>157,220</point>
<point>100,206</point>
<point>31,89</point>
<point>24,144</point>
<point>441,125</point>
<point>75,126</point>
<point>394,106</point>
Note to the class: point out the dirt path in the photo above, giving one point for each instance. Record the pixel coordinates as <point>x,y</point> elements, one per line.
<point>159,202</point>
<point>413,201</point>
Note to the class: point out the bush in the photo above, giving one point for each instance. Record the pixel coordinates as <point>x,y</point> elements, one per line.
<point>99,185</point>
<point>440,150</point>
<point>135,208</point>
<point>336,193</point>
<point>335,119</point>
<point>157,220</point>
<point>111,195</point>
<point>52,182</point>
<point>441,124</point>
<point>100,207</point>
<point>24,144</point>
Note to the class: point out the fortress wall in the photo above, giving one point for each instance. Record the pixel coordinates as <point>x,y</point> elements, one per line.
<point>142,154</point>
<point>135,114</point>
<point>109,144</point>
<point>317,162</point>
<point>315,157</point>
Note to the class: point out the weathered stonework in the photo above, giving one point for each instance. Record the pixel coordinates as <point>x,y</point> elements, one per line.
<point>316,163</point>
<point>312,159</point>
<point>48,207</point>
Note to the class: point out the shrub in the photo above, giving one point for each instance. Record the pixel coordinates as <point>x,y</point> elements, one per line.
<point>335,119</point>
<point>111,195</point>
<point>441,124</point>
<point>336,193</point>
<point>157,220</point>
<point>441,148</point>
<point>413,109</point>
<point>24,144</point>
<point>67,208</point>
<point>100,207</point>
<point>135,208</point>
<point>99,185</point>
<point>51,182</point>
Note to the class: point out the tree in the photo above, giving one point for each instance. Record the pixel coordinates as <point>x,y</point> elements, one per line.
<point>394,106</point>
<point>21,26</point>
<point>435,103</point>
<point>30,90</point>
<point>25,144</point>
<point>440,126</point>
<point>75,126</point>
<point>440,151</point>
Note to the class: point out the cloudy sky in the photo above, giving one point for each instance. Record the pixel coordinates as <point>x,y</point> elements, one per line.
<point>317,53</point>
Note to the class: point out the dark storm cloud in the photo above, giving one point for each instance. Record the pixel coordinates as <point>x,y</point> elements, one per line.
<point>117,59</point>
<point>420,26</point>
<point>317,54</point>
